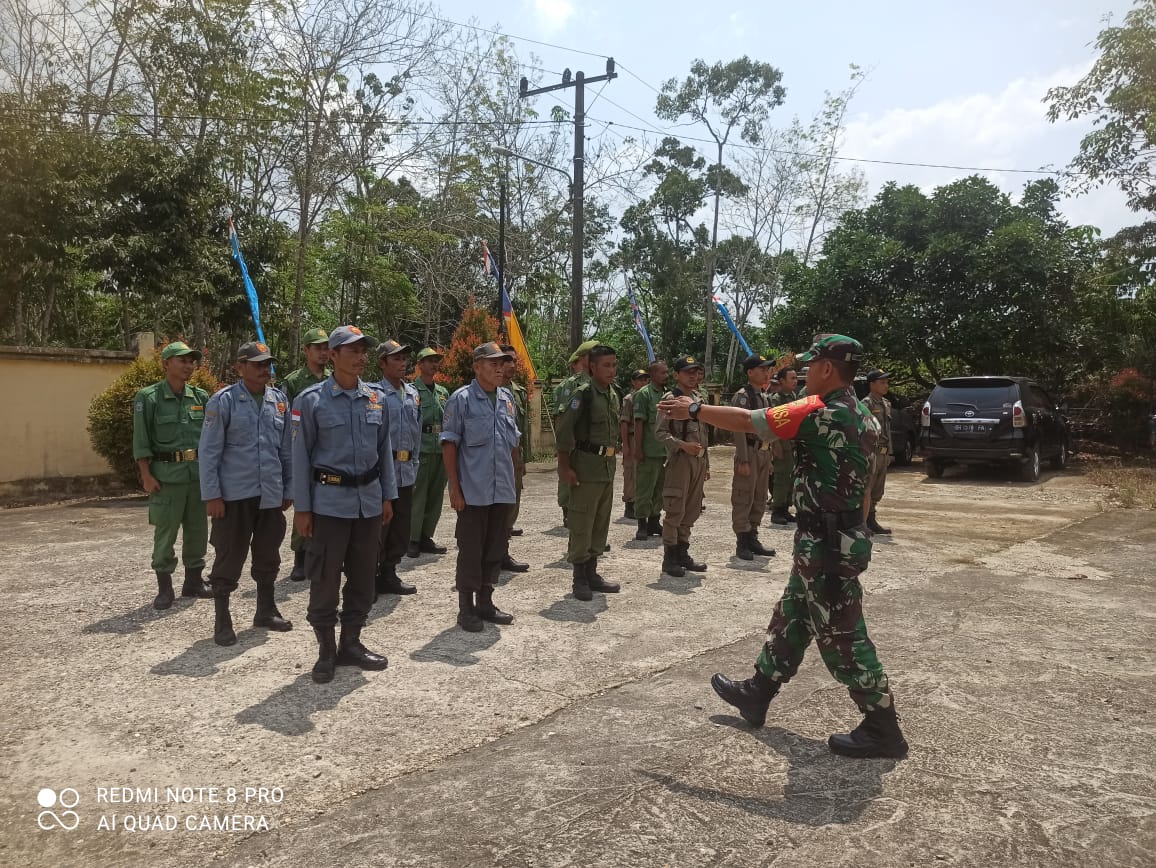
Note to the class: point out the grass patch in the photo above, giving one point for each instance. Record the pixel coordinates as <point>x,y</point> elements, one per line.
<point>1133,486</point>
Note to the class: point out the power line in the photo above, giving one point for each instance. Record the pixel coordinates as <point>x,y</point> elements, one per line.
<point>494,32</point>
<point>636,78</point>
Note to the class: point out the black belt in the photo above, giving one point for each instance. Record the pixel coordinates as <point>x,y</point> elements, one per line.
<point>821,522</point>
<point>183,455</point>
<point>585,446</point>
<point>431,429</point>
<point>758,443</point>
<point>328,477</point>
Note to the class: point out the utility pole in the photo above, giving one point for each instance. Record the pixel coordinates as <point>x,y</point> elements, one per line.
<point>501,242</point>
<point>579,83</point>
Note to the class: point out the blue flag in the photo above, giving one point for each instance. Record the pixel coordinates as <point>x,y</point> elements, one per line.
<point>250,290</point>
<point>639,324</point>
<point>734,328</point>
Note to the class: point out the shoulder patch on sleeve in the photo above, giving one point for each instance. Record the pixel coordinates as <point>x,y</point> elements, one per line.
<point>138,407</point>
<point>576,403</point>
<point>742,399</point>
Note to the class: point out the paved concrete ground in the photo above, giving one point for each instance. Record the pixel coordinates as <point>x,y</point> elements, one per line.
<point>1016,623</point>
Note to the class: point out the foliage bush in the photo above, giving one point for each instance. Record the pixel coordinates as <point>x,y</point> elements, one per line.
<point>110,415</point>
<point>478,326</point>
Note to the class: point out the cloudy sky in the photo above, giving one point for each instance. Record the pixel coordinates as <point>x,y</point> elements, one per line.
<point>950,83</point>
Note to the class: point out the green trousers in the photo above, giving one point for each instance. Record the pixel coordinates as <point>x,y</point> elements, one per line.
<point>519,477</point>
<point>175,507</point>
<point>782,477</point>
<point>428,494</point>
<point>827,608</point>
<point>590,505</point>
<point>563,495</point>
<point>648,482</point>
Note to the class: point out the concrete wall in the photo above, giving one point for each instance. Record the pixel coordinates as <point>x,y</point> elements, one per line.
<point>44,422</point>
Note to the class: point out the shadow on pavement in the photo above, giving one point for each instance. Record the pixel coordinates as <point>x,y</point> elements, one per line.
<point>570,609</point>
<point>821,788</point>
<point>384,606</point>
<point>282,590</point>
<point>290,710</point>
<point>675,585</point>
<point>758,565</point>
<point>134,621</point>
<point>556,531</point>
<point>130,501</point>
<point>457,647</point>
<point>202,658</point>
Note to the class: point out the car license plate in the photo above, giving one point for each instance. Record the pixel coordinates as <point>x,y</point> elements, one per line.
<point>970,428</point>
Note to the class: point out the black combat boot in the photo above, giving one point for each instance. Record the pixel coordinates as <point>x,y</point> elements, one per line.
<point>878,735</point>
<point>581,583</point>
<point>565,517</point>
<point>513,566</point>
<point>413,550</point>
<point>670,563</point>
<point>643,532</point>
<point>487,611</point>
<point>757,548</point>
<point>743,546</point>
<point>687,561</point>
<point>297,574</point>
<point>326,654</point>
<point>430,547</point>
<point>194,585</point>
<point>267,615</point>
<point>628,512</point>
<point>516,531</point>
<point>350,651</point>
<point>164,598</point>
<point>750,697</point>
<point>223,623</point>
<point>389,582</point>
<point>780,515</point>
<point>874,526</point>
<point>468,619</point>
<point>654,525</point>
<point>597,582</point>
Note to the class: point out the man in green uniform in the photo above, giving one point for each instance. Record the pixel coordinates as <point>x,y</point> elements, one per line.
<point>587,439</point>
<point>522,410</point>
<point>430,488</point>
<point>686,473</point>
<point>648,454</point>
<point>782,455</point>
<point>626,434</point>
<point>752,465</point>
<point>878,384</point>
<point>316,348</point>
<point>166,427</point>
<point>563,392</point>
<point>835,435</point>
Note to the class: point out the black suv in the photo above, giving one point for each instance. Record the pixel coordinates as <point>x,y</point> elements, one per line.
<point>986,420</point>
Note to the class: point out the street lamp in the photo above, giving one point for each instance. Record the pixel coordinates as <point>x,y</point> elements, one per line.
<point>576,241</point>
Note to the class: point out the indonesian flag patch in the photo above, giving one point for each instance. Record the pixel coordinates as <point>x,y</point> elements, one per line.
<point>785,419</point>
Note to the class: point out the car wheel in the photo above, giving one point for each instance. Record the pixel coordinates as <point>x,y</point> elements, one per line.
<point>934,468</point>
<point>1030,469</point>
<point>1060,460</point>
<point>908,454</point>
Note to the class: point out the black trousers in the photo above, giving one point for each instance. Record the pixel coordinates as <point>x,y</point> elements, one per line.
<point>395,535</point>
<point>339,545</point>
<point>483,542</point>
<point>246,528</point>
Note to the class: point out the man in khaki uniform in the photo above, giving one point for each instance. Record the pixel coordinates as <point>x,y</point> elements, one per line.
<point>687,470</point>
<point>752,465</point>
<point>649,455</point>
<point>782,454</point>
<point>626,434</point>
<point>878,384</point>
<point>587,447</point>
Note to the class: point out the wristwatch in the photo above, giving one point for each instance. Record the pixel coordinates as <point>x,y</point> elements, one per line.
<point>693,409</point>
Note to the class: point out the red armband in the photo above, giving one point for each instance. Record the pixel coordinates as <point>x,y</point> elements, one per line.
<point>785,419</point>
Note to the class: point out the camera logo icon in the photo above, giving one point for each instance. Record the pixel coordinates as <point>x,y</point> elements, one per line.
<point>66,799</point>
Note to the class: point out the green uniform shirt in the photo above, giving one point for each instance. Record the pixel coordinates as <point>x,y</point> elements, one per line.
<point>433,408</point>
<point>165,423</point>
<point>564,391</point>
<point>297,382</point>
<point>646,413</point>
<point>590,419</point>
<point>522,409</point>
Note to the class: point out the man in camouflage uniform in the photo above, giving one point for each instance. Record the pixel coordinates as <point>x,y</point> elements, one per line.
<point>563,392</point>
<point>878,383</point>
<point>316,348</point>
<point>835,435</point>
<point>648,454</point>
<point>782,455</point>
<point>687,470</point>
<point>752,465</point>
<point>587,443</point>
<point>626,434</point>
<point>429,490</point>
<point>522,411</point>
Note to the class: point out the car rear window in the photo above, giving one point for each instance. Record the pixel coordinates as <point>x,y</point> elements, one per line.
<point>998,396</point>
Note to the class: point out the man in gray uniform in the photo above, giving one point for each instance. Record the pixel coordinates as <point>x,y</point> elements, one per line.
<point>343,492</point>
<point>403,403</point>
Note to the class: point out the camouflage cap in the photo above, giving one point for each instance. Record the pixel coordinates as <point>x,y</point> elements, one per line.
<point>316,336</point>
<point>839,348</point>
<point>583,349</point>
<point>254,351</point>
<point>683,363</point>
<point>430,353</point>
<point>180,348</point>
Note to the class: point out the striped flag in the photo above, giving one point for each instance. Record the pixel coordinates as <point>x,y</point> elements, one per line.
<point>509,318</point>
<point>639,324</point>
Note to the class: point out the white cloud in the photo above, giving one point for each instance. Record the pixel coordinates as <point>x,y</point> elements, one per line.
<point>1007,129</point>
<point>552,15</point>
